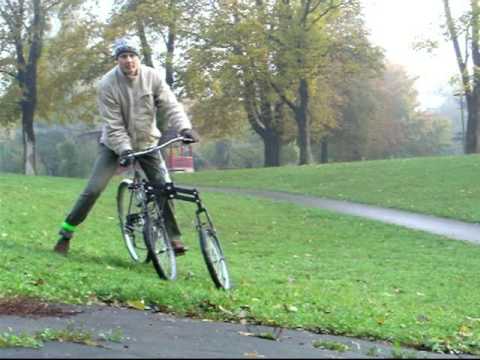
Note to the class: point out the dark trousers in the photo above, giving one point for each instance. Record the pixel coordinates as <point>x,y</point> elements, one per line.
<point>103,170</point>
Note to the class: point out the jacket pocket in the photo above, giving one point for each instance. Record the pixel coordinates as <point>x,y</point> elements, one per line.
<point>145,103</point>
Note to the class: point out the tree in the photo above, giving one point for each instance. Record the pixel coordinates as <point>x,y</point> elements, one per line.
<point>350,64</point>
<point>23,25</point>
<point>72,61</point>
<point>229,75</point>
<point>26,24</point>
<point>380,119</point>
<point>468,27</point>
<point>301,44</point>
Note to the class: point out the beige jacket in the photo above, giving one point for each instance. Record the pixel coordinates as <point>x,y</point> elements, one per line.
<point>128,110</point>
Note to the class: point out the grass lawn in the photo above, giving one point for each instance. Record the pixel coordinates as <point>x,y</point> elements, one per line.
<point>443,186</point>
<point>291,266</point>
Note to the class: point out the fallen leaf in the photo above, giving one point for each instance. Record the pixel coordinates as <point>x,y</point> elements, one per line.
<point>136,304</point>
<point>224,310</point>
<point>253,355</point>
<point>244,333</point>
<point>465,331</point>
<point>291,308</point>
<point>38,282</point>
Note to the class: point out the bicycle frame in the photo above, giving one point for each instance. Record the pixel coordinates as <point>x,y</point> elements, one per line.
<point>169,191</point>
<point>154,226</point>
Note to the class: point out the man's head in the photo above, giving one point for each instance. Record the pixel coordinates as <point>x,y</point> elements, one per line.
<point>126,54</point>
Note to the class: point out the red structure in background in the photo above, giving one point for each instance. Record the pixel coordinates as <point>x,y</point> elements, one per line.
<point>180,158</point>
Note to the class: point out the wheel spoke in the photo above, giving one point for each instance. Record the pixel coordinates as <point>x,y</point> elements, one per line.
<point>214,258</point>
<point>131,221</point>
<point>157,240</point>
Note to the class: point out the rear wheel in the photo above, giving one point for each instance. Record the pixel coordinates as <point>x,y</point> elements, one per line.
<point>214,258</point>
<point>130,214</point>
<point>158,243</point>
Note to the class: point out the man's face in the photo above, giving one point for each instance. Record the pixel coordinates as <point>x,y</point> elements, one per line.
<point>129,63</point>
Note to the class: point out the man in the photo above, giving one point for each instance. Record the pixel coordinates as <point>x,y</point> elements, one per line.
<point>127,99</point>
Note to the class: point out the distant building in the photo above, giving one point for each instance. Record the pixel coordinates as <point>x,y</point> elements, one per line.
<point>179,157</point>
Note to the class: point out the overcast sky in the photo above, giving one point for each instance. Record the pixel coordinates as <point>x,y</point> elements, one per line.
<point>396,24</point>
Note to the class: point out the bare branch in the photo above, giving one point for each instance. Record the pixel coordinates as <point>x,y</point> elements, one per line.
<point>454,36</point>
<point>52,4</point>
<point>280,93</point>
<point>325,12</point>
<point>8,73</point>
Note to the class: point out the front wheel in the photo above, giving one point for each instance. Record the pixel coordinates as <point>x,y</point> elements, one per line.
<point>214,258</point>
<point>132,221</point>
<point>160,250</point>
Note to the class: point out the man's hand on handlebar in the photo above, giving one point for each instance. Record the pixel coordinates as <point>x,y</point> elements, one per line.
<point>190,135</point>
<point>125,158</point>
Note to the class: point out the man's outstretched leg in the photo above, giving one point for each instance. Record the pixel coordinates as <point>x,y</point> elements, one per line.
<point>103,170</point>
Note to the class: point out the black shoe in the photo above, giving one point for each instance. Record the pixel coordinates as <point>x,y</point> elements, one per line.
<point>179,248</point>
<point>63,244</point>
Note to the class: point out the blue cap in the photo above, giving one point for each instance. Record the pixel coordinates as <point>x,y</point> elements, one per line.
<point>124,45</point>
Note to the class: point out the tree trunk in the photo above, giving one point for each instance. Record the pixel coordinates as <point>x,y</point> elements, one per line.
<point>272,146</point>
<point>471,136</point>
<point>222,154</point>
<point>470,82</point>
<point>303,124</point>
<point>472,128</point>
<point>146,49</point>
<point>169,61</point>
<point>324,151</point>
<point>263,118</point>
<point>29,150</point>
<point>27,77</point>
<point>172,35</point>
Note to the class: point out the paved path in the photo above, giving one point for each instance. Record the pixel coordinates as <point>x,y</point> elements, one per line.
<point>453,229</point>
<point>156,335</point>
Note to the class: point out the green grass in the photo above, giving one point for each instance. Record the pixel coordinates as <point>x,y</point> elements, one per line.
<point>331,345</point>
<point>443,186</point>
<point>11,339</point>
<point>292,267</point>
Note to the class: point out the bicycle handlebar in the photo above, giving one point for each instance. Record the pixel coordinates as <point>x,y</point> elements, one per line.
<point>161,146</point>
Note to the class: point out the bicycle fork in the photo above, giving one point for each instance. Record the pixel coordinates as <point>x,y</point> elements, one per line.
<point>190,195</point>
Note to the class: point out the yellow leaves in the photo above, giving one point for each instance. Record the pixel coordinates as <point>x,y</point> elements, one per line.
<point>465,331</point>
<point>290,308</point>
<point>253,355</point>
<point>136,304</point>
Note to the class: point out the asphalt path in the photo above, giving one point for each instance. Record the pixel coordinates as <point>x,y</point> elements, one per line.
<point>149,334</point>
<point>453,229</point>
<point>146,334</point>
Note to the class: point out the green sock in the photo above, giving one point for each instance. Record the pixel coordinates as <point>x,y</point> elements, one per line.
<point>67,227</point>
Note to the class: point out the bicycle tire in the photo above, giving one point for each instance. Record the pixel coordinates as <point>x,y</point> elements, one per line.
<point>158,243</point>
<point>131,219</point>
<point>214,258</point>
